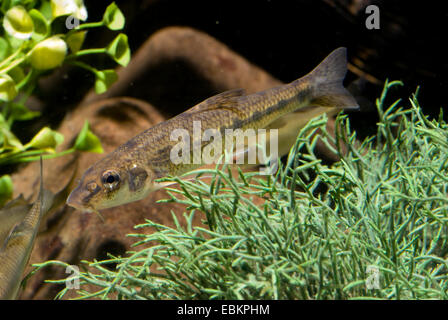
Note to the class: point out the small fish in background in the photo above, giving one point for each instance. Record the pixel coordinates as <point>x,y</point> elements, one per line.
<point>19,225</point>
<point>128,174</point>
<point>16,249</point>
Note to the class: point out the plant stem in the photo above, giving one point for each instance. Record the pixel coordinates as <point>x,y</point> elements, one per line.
<point>11,57</point>
<point>84,66</point>
<point>87,25</point>
<point>86,52</point>
<point>33,155</point>
<point>13,65</point>
<point>48,156</point>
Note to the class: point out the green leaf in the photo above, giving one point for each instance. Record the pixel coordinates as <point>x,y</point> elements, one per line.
<point>104,79</point>
<point>8,89</point>
<point>18,23</point>
<point>10,141</point>
<point>113,17</point>
<point>5,5</point>
<point>45,9</point>
<point>88,141</point>
<point>5,189</point>
<point>22,113</point>
<point>16,74</point>
<point>4,48</point>
<point>75,41</point>
<point>48,54</point>
<point>14,43</point>
<point>46,139</point>
<point>41,26</point>
<point>119,50</point>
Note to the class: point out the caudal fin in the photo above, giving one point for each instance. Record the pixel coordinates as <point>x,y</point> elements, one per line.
<point>326,82</point>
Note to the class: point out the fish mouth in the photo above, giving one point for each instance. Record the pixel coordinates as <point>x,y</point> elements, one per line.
<point>74,202</point>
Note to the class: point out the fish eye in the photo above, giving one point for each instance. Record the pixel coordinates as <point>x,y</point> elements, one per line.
<point>110,179</point>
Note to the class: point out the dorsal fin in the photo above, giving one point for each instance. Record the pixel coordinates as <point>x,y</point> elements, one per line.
<point>226,99</point>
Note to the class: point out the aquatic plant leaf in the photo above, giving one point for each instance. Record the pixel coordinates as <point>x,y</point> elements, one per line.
<point>17,74</point>
<point>75,41</point>
<point>5,5</point>
<point>8,89</point>
<point>18,23</point>
<point>119,50</point>
<point>41,26</point>
<point>88,141</point>
<point>22,113</point>
<point>46,139</point>
<point>49,53</point>
<point>104,79</point>
<point>4,48</point>
<point>113,17</point>
<point>10,141</point>
<point>45,9</point>
<point>5,189</point>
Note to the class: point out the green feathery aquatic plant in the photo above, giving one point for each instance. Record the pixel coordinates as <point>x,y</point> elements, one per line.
<point>370,226</point>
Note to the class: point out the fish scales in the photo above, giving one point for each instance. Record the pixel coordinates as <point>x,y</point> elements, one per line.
<point>16,250</point>
<point>153,146</point>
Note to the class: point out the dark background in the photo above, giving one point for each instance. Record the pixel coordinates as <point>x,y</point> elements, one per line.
<point>287,39</point>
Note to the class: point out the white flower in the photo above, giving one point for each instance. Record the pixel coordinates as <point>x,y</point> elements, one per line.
<point>75,8</point>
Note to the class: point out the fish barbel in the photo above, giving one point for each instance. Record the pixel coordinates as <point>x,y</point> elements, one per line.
<point>128,174</point>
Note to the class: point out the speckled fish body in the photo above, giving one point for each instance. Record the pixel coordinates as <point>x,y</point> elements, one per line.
<point>16,249</point>
<point>128,173</point>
